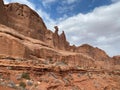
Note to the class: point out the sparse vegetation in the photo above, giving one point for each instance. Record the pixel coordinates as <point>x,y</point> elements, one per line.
<point>26,76</point>
<point>50,59</point>
<point>79,67</point>
<point>61,63</point>
<point>75,88</point>
<point>11,84</point>
<point>22,84</point>
<point>66,81</point>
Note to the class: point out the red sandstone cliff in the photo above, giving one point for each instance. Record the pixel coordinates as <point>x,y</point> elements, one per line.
<point>27,22</point>
<point>24,37</point>
<point>31,35</point>
<point>28,25</point>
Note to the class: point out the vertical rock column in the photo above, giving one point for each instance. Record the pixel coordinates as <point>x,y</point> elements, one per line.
<point>56,38</point>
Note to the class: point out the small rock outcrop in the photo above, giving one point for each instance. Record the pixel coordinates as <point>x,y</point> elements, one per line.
<point>93,52</point>
<point>116,60</point>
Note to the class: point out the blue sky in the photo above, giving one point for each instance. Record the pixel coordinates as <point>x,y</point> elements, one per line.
<point>60,8</point>
<point>95,22</point>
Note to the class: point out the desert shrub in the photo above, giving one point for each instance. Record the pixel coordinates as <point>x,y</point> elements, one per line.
<point>61,63</point>
<point>66,81</point>
<point>11,84</point>
<point>22,84</point>
<point>50,59</point>
<point>26,76</point>
<point>75,88</point>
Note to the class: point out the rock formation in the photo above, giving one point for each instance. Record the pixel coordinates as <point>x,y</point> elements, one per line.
<point>95,53</point>
<point>56,41</point>
<point>116,60</point>
<point>25,21</point>
<point>26,45</point>
<point>28,26</point>
<point>59,41</point>
<point>63,42</point>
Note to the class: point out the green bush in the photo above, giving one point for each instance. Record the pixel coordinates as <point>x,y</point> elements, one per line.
<point>26,76</point>
<point>22,84</point>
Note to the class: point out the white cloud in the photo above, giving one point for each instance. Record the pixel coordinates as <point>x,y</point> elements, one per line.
<point>47,3</point>
<point>115,0</point>
<point>66,6</point>
<point>101,39</point>
<point>6,1</point>
<point>101,28</point>
<point>64,9</point>
<point>70,1</point>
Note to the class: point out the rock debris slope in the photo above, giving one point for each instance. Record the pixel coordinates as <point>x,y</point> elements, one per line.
<point>33,57</point>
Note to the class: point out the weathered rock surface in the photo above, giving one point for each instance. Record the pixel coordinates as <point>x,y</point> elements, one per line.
<point>63,42</point>
<point>94,52</point>
<point>3,15</point>
<point>25,21</point>
<point>11,44</point>
<point>116,60</point>
<point>59,41</point>
<point>16,45</point>
<point>56,40</point>
<point>63,77</point>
